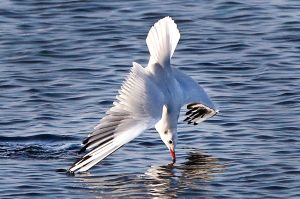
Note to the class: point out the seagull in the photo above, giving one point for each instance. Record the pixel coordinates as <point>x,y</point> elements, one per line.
<point>149,97</point>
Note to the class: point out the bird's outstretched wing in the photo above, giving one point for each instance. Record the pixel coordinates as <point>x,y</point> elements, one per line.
<point>199,105</point>
<point>137,108</point>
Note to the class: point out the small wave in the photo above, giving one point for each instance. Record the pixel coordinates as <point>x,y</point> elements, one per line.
<point>42,146</point>
<point>38,138</point>
<point>37,151</point>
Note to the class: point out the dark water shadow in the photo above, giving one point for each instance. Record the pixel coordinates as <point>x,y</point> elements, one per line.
<point>38,147</point>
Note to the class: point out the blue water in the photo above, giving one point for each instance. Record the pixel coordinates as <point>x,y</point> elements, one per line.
<point>62,63</point>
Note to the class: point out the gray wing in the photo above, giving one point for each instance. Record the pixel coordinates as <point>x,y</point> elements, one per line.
<point>137,108</point>
<point>199,105</point>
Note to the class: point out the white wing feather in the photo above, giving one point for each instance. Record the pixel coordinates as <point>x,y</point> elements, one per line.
<point>199,104</point>
<point>138,107</point>
<point>192,91</point>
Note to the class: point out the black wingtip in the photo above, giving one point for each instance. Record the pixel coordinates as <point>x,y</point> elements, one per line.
<point>190,106</point>
<point>85,140</point>
<point>66,172</point>
<point>186,119</point>
<point>189,112</point>
<point>70,173</point>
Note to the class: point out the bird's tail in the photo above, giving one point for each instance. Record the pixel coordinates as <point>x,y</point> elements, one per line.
<point>162,40</point>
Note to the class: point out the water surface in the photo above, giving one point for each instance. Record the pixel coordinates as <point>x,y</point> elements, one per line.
<point>62,63</point>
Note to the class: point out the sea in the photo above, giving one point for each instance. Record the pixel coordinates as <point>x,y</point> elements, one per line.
<point>62,63</point>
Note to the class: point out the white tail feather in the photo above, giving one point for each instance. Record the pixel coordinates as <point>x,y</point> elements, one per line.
<point>162,40</point>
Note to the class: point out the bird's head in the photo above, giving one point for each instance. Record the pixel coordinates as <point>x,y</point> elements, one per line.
<point>167,129</point>
<point>169,137</point>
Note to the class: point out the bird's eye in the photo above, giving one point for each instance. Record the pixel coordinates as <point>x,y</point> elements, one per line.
<point>170,141</point>
<point>165,132</point>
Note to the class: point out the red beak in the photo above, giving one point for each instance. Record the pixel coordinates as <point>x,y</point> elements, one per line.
<point>173,155</point>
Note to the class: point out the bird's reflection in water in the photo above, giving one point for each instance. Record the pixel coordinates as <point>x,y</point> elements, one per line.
<point>193,174</point>
<point>200,166</point>
<point>169,181</point>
